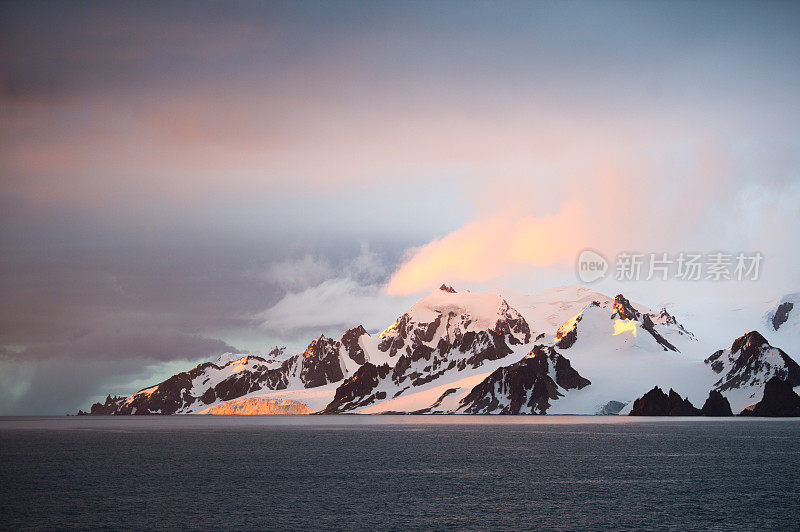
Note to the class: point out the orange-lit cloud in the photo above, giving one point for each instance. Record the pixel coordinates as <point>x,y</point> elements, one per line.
<point>657,203</point>
<point>489,248</point>
<point>486,249</point>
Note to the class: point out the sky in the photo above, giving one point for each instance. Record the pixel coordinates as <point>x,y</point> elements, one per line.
<point>178,180</point>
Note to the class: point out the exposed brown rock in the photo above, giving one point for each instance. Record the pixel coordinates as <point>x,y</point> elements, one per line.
<point>358,389</point>
<point>525,386</point>
<point>779,400</point>
<point>782,314</point>
<point>657,403</point>
<point>716,405</point>
<point>623,309</point>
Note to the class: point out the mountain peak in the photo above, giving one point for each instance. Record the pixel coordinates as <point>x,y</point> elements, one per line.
<point>447,288</point>
<point>480,309</point>
<point>749,363</point>
<point>276,352</point>
<point>716,405</point>
<point>748,342</point>
<point>226,358</point>
<point>355,331</point>
<point>624,309</point>
<point>665,317</point>
<point>528,386</point>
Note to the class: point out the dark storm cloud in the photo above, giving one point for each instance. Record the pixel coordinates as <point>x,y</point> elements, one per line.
<point>65,294</point>
<point>89,311</point>
<point>79,322</point>
<point>63,385</point>
<point>61,376</point>
<point>144,345</point>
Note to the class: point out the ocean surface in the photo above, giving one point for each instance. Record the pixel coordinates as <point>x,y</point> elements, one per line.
<point>399,472</point>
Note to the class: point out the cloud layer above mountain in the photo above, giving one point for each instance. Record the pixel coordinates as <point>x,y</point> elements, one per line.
<point>178,180</point>
<point>735,200</point>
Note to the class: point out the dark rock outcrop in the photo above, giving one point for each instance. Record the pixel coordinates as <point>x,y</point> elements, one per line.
<point>779,400</point>
<point>782,314</point>
<point>447,288</point>
<point>665,317</point>
<point>657,403</point>
<point>623,309</point>
<point>350,342</point>
<point>647,325</point>
<point>716,405</point>
<point>358,390</point>
<point>437,403</point>
<point>105,409</point>
<point>321,363</point>
<point>525,386</point>
<point>680,406</point>
<point>568,339</point>
<point>276,352</point>
<point>442,397</point>
<point>749,343</point>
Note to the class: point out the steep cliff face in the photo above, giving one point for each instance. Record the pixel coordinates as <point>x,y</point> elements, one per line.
<point>359,390</point>
<point>779,400</point>
<point>525,387</point>
<point>657,403</point>
<point>716,405</point>
<point>108,408</point>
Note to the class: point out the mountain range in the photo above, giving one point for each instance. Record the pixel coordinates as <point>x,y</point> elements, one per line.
<point>567,350</point>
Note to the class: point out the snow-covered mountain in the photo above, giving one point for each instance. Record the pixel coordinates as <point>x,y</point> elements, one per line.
<point>567,350</point>
<point>625,349</point>
<point>746,366</point>
<point>631,327</point>
<point>525,387</point>
<point>325,361</point>
<point>276,354</point>
<point>610,339</point>
<point>607,336</point>
<point>444,336</point>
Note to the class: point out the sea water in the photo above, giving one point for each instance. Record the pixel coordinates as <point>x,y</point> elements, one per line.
<point>399,472</point>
